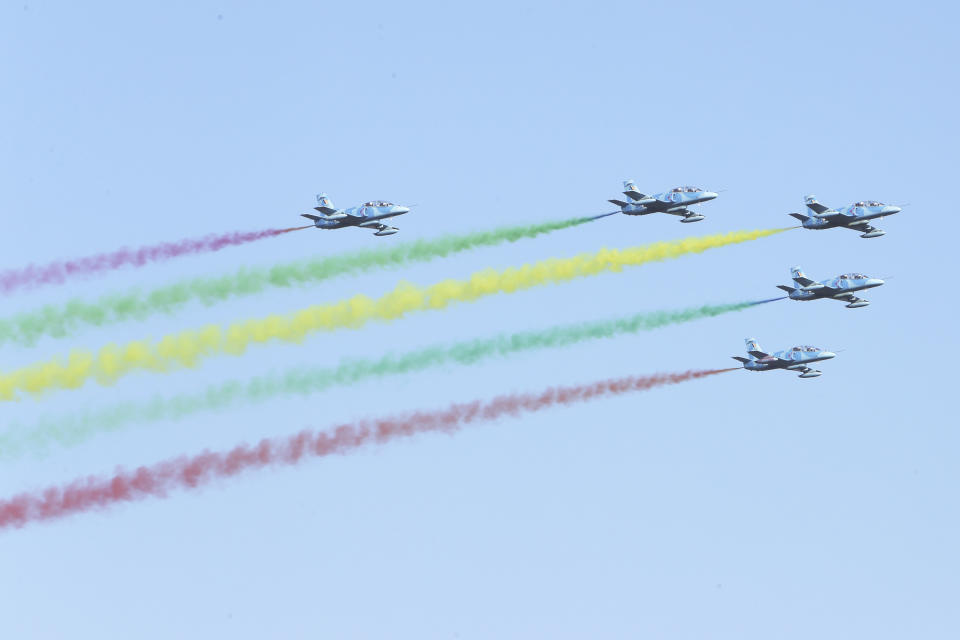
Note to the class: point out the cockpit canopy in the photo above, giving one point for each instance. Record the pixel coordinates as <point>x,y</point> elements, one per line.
<point>685,190</point>
<point>805,347</point>
<point>869,203</point>
<point>853,276</point>
<point>377,203</point>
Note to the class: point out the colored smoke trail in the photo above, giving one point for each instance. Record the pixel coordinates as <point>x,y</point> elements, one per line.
<point>187,348</point>
<point>81,426</point>
<point>93,493</point>
<point>67,318</point>
<point>59,272</point>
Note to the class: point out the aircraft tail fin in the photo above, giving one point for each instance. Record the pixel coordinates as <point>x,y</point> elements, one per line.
<point>800,278</point>
<point>816,207</point>
<point>753,348</point>
<point>630,189</point>
<point>325,204</point>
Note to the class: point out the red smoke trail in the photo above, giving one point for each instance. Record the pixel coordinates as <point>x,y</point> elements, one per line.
<point>58,272</point>
<point>90,493</point>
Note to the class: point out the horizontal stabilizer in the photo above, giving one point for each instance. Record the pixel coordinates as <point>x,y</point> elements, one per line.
<point>785,288</point>
<point>800,217</point>
<point>310,216</point>
<point>326,210</point>
<point>741,359</point>
<point>619,203</point>
<point>758,354</point>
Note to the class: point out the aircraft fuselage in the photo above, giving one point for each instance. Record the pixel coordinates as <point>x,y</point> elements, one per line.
<point>787,360</point>
<point>857,214</point>
<point>666,202</point>
<point>358,216</point>
<point>835,288</point>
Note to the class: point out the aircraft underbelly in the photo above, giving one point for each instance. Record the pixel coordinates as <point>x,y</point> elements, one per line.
<point>331,224</point>
<point>857,222</point>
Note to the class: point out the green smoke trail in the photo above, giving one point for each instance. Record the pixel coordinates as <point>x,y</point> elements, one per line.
<point>65,319</point>
<point>79,427</point>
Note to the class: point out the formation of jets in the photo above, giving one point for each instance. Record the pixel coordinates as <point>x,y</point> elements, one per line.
<point>799,358</point>
<point>677,202</point>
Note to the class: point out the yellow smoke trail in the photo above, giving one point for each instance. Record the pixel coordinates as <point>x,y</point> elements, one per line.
<point>188,348</point>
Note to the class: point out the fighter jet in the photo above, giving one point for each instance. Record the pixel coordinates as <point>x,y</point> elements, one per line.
<point>367,215</point>
<point>839,288</point>
<point>674,202</point>
<point>855,217</point>
<point>795,359</point>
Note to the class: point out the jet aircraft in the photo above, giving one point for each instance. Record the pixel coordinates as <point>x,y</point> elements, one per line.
<point>856,217</point>
<point>839,288</point>
<point>674,202</point>
<point>795,359</point>
<point>367,216</point>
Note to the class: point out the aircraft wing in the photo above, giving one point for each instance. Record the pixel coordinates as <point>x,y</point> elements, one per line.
<point>803,281</point>
<point>330,217</point>
<point>856,224</point>
<point>818,208</point>
<point>830,292</point>
<point>850,222</point>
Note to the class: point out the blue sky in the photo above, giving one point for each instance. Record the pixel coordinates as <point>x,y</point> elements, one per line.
<point>746,506</point>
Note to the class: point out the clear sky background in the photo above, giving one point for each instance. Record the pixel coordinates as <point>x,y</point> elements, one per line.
<point>744,506</point>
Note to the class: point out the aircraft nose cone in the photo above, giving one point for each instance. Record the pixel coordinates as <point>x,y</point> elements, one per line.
<point>400,209</point>
<point>826,355</point>
<point>874,282</point>
<point>891,209</point>
<point>709,195</point>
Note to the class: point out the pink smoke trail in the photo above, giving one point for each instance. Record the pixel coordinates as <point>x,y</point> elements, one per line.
<point>91,493</point>
<point>59,272</point>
